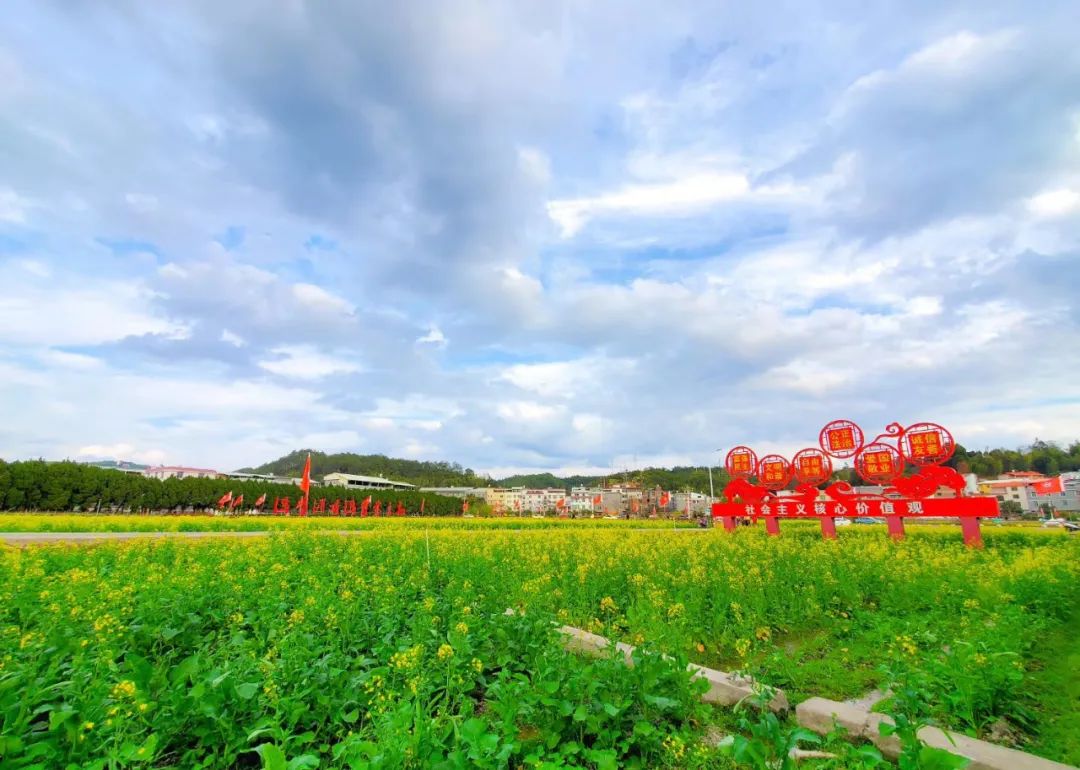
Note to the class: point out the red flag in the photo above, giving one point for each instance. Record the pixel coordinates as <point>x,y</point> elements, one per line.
<point>597,500</point>
<point>378,507</point>
<point>335,507</point>
<point>665,498</point>
<point>305,485</point>
<point>365,505</point>
<point>238,502</point>
<point>560,503</point>
<point>261,500</point>
<point>1049,487</point>
<point>464,506</point>
<point>225,499</point>
<point>400,508</point>
<point>305,479</point>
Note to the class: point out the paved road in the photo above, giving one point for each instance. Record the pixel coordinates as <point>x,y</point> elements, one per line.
<point>77,538</point>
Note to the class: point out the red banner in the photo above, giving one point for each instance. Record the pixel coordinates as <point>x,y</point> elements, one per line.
<point>1049,487</point>
<point>982,507</point>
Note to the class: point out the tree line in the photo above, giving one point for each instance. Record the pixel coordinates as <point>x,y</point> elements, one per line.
<point>36,485</point>
<point>419,472</point>
<point>1045,457</point>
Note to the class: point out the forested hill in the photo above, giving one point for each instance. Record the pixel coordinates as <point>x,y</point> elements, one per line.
<point>421,473</point>
<point>1040,456</point>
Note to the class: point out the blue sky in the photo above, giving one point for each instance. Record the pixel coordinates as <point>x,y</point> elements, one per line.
<point>552,235</point>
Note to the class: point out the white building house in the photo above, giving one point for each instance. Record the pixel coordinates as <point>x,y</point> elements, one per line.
<point>363,482</point>
<point>1018,490</point>
<point>179,472</point>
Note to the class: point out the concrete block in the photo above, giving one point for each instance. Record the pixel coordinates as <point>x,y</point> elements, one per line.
<point>817,714</point>
<point>728,689</point>
<point>987,756</point>
<point>581,641</point>
<point>724,688</point>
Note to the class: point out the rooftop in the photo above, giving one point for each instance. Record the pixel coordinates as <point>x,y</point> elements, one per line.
<point>182,468</point>
<point>366,479</point>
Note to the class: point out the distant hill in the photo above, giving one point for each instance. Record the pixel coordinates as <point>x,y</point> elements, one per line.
<point>1041,456</point>
<point>420,473</point>
<point>541,480</point>
<point>447,474</point>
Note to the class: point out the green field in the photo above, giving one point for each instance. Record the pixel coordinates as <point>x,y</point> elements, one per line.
<point>393,650</point>
<point>77,522</point>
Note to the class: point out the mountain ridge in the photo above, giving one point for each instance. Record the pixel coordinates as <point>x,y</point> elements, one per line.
<point>1045,457</point>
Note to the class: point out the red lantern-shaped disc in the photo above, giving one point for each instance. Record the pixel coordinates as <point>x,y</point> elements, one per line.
<point>879,463</point>
<point>741,462</point>
<point>774,472</point>
<point>841,439</point>
<point>812,466</point>
<point>926,443</point>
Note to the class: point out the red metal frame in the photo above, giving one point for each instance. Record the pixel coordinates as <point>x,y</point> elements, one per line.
<point>811,466</point>
<point>774,472</point>
<point>879,463</point>
<point>740,463</point>
<point>841,439</point>
<point>925,446</point>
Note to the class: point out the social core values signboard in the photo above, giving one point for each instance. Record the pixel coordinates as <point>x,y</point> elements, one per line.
<point>908,463</point>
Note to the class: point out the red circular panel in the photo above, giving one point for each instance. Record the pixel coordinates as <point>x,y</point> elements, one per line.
<point>926,443</point>
<point>879,463</point>
<point>841,439</point>
<point>811,466</point>
<point>741,462</point>
<point>774,472</point>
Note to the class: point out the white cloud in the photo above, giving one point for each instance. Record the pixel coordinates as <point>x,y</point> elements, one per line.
<point>321,299</point>
<point>678,197</point>
<point>34,267</point>
<point>952,56</point>
<point>305,363</point>
<point>142,203</point>
<point>1054,203</point>
<point>13,207</point>
<point>526,411</point>
<point>233,339</point>
<point>68,360</point>
<point>121,451</point>
<point>535,164</point>
<point>434,337</point>
<point>87,311</point>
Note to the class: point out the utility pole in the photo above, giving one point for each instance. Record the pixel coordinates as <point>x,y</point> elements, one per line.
<point>712,494</point>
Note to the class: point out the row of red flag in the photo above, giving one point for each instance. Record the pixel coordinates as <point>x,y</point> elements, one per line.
<point>283,505</point>
<point>337,507</point>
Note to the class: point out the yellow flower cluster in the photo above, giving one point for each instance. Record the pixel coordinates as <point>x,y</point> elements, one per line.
<point>409,659</point>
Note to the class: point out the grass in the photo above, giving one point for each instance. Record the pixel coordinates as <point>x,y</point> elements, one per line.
<point>88,522</point>
<point>1057,684</point>
<point>991,634</point>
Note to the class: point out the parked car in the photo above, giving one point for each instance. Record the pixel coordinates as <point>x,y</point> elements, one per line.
<point>867,520</point>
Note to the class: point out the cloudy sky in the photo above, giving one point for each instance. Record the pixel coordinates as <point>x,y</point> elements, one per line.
<point>525,235</point>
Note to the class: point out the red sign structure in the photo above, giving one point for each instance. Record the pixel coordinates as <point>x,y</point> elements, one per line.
<point>923,446</point>
<point>740,463</point>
